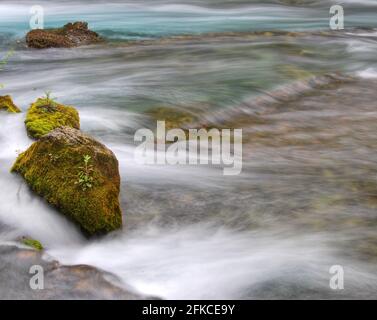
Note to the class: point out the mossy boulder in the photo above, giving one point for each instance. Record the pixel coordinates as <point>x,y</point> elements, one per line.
<point>71,35</point>
<point>6,103</point>
<point>76,174</point>
<point>45,115</point>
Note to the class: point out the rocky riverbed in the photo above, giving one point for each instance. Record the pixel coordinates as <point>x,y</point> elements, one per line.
<point>304,97</point>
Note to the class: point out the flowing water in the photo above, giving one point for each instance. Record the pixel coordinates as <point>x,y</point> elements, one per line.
<point>307,196</point>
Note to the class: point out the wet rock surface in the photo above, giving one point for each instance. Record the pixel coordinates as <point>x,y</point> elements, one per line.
<point>70,35</point>
<point>60,282</point>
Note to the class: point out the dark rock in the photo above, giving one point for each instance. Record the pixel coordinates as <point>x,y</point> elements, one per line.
<point>60,282</point>
<point>71,35</point>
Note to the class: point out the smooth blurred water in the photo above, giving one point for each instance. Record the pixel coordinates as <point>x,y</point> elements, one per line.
<point>149,19</point>
<point>306,197</point>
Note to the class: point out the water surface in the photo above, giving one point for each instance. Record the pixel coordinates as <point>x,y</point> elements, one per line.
<point>306,198</point>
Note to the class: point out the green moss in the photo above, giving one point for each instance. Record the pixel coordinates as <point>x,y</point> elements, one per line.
<point>6,103</point>
<point>32,243</point>
<point>45,115</point>
<point>51,167</point>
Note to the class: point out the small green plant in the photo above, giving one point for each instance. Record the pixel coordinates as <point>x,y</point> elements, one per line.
<point>48,97</point>
<point>49,103</point>
<point>85,175</point>
<point>32,243</point>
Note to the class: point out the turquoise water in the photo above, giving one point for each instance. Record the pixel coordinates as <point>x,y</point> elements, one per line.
<point>149,19</point>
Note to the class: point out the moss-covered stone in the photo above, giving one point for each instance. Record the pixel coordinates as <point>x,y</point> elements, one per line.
<point>6,103</point>
<point>32,243</point>
<point>45,115</point>
<point>87,191</point>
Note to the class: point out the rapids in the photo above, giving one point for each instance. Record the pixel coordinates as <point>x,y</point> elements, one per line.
<point>307,195</point>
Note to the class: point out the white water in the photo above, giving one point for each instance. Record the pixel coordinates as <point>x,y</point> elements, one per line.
<point>201,262</point>
<point>195,261</point>
<point>370,73</point>
<point>20,209</point>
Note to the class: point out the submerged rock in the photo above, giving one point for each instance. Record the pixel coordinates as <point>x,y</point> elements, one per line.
<point>71,35</point>
<point>45,115</point>
<point>6,103</point>
<point>173,118</point>
<point>76,174</point>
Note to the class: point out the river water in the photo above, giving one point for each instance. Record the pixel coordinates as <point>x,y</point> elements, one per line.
<point>307,195</point>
